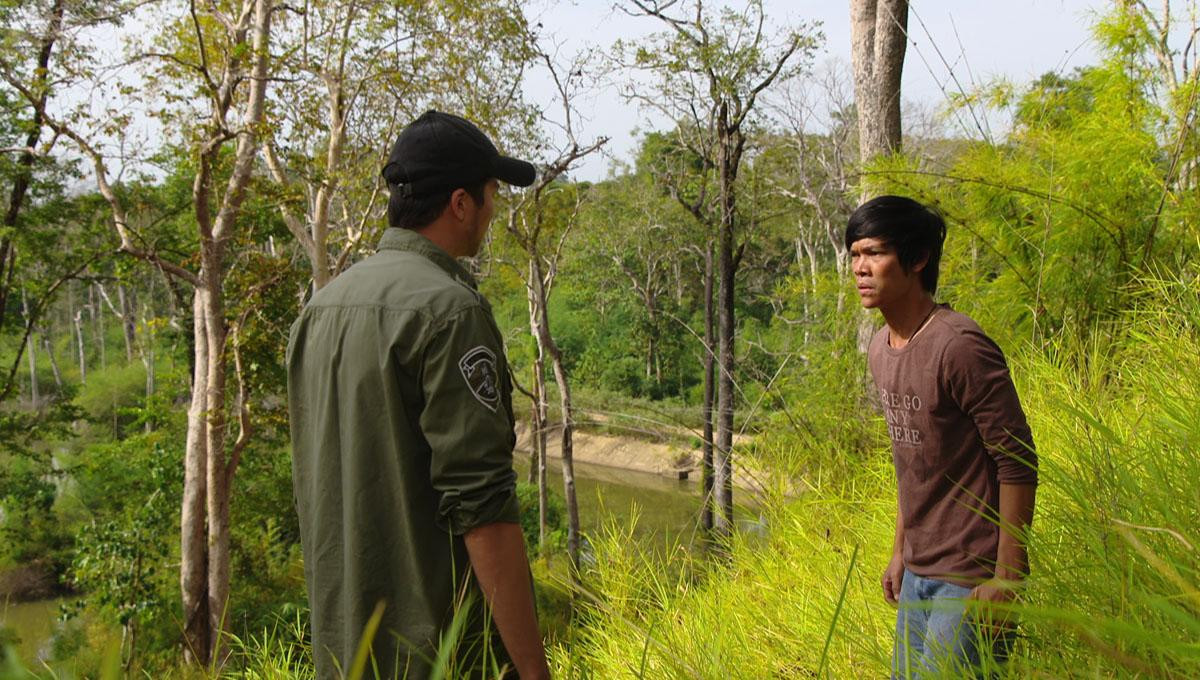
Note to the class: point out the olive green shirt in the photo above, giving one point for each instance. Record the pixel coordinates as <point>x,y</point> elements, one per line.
<point>402,436</point>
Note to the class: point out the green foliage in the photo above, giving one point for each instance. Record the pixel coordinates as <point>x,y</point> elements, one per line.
<point>131,491</point>
<point>1049,229</point>
<point>556,520</point>
<point>111,398</point>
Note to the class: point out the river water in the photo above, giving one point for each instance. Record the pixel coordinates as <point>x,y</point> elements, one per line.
<point>667,510</point>
<point>33,622</point>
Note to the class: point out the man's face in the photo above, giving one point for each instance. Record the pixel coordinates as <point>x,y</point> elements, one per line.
<point>879,276</point>
<point>482,215</point>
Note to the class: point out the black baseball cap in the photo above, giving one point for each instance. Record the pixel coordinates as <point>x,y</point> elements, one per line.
<point>441,151</point>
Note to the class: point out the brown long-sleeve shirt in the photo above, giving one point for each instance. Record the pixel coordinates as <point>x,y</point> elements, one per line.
<point>957,432</point>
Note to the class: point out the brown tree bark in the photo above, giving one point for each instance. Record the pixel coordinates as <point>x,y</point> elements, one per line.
<point>730,142</point>
<point>706,470</point>
<point>128,321</point>
<point>34,396</point>
<point>548,348</point>
<point>96,316</point>
<point>214,235</point>
<point>49,347</point>
<point>81,346</point>
<point>193,549</point>
<point>538,436</point>
<point>879,38</point>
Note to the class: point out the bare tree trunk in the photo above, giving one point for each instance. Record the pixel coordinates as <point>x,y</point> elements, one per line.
<point>147,354</point>
<point>706,469</point>
<point>34,396</point>
<point>128,321</point>
<point>723,451</point>
<point>207,573</point>
<point>547,346</point>
<point>878,30</point>
<point>49,347</point>
<point>193,552</point>
<point>146,346</point>
<point>146,350</point>
<point>568,459</point>
<point>82,351</point>
<point>729,152</point>
<point>217,501</point>
<point>535,449</point>
<point>96,316</point>
<point>542,461</point>
<point>538,439</point>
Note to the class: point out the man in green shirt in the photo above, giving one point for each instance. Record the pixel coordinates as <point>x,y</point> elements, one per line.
<point>402,431</point>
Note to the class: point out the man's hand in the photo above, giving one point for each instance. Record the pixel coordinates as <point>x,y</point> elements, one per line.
<point>996,591</point>
<point>892,578</point>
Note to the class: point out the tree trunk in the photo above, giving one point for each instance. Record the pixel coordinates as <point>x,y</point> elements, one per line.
<point>146,347</point>
<point>543,489</point>
<point>79,342</point>
<point>538,436</point>
<point>146,350</point>
<point>723,452</point>
<point>49,347</point>
<point>706,469</point>
<point>548,347</point>
<point>128,321</point>
<point>96,316</point>
<point>34,396</point>
<point>727,163</point>
<point>535,427</point>
<point>217,501</point>
<point>193,552</point>
<point>878,36</point>
<point>208,478</point>
<point>568,460</point>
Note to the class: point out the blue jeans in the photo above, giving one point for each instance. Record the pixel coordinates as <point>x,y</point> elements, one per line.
<point>937,637</point>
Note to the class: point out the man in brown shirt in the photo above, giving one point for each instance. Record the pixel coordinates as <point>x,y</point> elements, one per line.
<point>966,469</point>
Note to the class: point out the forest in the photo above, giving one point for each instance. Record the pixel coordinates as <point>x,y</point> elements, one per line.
<point>181,177</point>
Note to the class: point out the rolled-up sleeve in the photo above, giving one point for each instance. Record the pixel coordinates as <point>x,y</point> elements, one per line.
<point>467,424</point>
<point>981,385</point>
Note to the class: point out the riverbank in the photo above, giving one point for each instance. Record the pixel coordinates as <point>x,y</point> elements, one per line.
<point>673,458</point>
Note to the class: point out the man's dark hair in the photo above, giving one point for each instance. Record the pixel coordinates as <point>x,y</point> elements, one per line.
<point>915,231</point>
<point>413,212</point>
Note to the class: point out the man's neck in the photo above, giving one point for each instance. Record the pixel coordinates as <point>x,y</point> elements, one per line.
<point>442,234</point>
<point>905,317</point>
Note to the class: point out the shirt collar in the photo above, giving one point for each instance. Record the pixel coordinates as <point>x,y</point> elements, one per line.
<point>408,240</point>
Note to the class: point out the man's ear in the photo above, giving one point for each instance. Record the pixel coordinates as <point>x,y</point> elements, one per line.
<point>458,203</point>
<point>920,264</point>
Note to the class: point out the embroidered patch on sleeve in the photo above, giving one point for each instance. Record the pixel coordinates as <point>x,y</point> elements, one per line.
<point>478,368</point>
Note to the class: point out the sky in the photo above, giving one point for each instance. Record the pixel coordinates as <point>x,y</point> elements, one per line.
<point>953,44</point>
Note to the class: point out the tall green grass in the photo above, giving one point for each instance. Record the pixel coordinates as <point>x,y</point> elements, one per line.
<point>1115,547</point>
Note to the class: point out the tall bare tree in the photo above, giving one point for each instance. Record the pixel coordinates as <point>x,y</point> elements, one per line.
<point>541,229</point>
<point>711,68</point>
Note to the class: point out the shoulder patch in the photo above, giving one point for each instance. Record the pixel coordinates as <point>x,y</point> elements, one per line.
<point>478,366</point>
